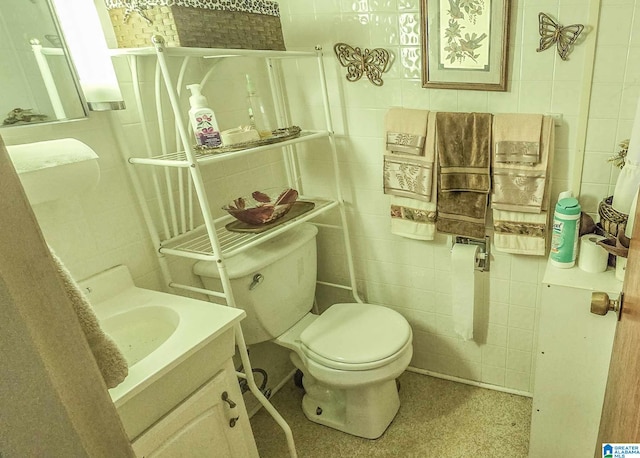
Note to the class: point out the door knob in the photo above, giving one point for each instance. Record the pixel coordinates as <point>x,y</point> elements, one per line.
<point>601,304</point>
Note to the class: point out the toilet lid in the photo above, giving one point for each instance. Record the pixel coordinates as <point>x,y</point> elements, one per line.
<point>355,334</point>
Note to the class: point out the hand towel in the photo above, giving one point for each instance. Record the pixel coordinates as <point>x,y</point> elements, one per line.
<point>111,363</point>
<point>408,175</point>
<point>520,186</point>
<point>464,182</point>
<point>406,130</point>
<point>521,232</point>
<point>415,218</point>
<point>464,151</point>
<point>516,137</point>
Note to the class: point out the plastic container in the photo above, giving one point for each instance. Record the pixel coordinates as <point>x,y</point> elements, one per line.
<point>203,120</point>
<point>257,114</point>
<point>565,235</point>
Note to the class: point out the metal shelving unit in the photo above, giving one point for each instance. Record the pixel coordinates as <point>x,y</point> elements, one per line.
<point>179,232</point>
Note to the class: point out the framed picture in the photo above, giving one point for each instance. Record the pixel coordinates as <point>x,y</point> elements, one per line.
<point>465,44</point>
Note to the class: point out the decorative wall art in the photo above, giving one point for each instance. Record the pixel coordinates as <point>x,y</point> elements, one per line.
<point>465,44</point>
<point>370,62</point>
<point>552,32</point>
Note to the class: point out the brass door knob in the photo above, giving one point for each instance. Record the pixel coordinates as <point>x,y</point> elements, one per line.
<point>601,304</point>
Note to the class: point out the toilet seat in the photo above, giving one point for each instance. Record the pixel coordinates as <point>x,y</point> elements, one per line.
<point>356,337</point>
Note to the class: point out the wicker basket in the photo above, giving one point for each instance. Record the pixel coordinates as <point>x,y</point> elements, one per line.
<point>611,220</point>
<point>246,24</point>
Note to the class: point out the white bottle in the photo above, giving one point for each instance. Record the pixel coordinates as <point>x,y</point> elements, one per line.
<point>203,120</point>
<point>257,113</point>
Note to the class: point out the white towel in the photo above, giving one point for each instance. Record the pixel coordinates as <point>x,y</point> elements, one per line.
<point>413,218</point>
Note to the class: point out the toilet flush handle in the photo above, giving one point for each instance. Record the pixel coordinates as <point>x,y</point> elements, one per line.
<point>257,279</point>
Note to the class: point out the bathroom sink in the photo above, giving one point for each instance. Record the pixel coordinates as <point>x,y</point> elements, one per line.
<point>172,344</point>
<point>141,330</point>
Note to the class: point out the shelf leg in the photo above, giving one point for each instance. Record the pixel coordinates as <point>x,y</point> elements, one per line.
<point>244,356</point>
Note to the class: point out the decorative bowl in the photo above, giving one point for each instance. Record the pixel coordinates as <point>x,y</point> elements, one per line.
<point>262,207</point>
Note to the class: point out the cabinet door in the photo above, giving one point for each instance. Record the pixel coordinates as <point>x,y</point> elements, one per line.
<point>572,363</point>
<point>202,426</point>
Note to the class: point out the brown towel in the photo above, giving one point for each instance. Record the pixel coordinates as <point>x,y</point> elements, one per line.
<point>110,361</point>
<point>463,143</point>
<point>464,151</point>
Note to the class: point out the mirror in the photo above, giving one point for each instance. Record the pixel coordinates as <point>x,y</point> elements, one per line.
<point>37,82</point>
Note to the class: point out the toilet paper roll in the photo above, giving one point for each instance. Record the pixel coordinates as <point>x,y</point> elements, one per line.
<point>55,169</point>
<point>592,257</point>
<point>463,262</point>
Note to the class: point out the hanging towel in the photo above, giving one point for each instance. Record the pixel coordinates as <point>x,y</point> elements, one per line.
<point>414,217</point>
<point>406,131</point>
<point>464,151</point>
<point>520,185</point>
<point>408,175</point>
<point>516,138</point>
<point>463,183</point>
<point>110,361</point>
<point>521,232</point>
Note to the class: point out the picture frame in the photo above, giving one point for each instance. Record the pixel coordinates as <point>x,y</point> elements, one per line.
<point>465,44</point>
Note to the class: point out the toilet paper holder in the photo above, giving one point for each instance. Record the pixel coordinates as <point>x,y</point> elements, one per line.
<point>484,250</point>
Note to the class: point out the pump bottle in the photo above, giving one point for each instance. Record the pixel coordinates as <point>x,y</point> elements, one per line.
<point>203,120</point>
<point>257,114</point>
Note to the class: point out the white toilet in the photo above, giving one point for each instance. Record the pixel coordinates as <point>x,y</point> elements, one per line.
<point>350,355</point>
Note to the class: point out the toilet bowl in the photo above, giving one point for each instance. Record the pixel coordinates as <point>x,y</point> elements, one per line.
<point>350,355</point>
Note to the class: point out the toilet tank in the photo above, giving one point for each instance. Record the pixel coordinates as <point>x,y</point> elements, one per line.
<point>288,266</point>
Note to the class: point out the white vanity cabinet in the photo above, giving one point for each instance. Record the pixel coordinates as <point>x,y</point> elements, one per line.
<point>211,422</point>
<point>572,363</point>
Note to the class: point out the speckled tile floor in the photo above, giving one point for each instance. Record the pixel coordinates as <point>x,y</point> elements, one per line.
<point>437,418</point>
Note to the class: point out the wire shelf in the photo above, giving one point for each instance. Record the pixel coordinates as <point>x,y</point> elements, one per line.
<point>196,244</point>
<point>179,159</point>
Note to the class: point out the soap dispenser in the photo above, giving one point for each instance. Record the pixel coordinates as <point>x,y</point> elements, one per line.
<point>257,114</point>
<point>203,120</point>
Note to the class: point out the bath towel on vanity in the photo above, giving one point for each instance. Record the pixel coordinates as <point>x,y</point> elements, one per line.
<point>524,232</point>
<point>112,365</point>
<point>520,164</point>
<point>464,153</point>
<point>409,179</point>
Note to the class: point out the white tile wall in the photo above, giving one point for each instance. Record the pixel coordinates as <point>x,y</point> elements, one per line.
<point>415,277</point>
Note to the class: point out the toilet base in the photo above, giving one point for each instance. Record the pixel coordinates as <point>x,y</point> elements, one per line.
<point>366,411</point>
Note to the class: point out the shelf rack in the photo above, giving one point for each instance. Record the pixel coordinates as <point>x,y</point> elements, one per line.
<point>177,233</point>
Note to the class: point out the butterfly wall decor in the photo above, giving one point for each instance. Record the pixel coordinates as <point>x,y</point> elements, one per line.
<point>372,62</point>
<point>553,33</point>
